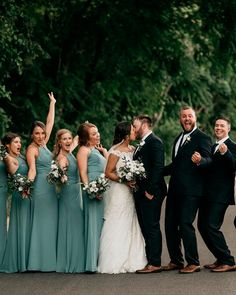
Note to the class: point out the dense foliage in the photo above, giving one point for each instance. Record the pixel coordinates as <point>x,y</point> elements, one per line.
<point>107,61</point>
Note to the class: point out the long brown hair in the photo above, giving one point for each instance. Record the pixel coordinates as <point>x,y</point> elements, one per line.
<point>57,147</point>
<point>37,124</point>
<point>83,133</point>
<point>8,138</point>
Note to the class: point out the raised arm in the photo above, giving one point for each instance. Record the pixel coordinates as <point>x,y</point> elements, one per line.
<point>74,143</point>
<point>50,116</point>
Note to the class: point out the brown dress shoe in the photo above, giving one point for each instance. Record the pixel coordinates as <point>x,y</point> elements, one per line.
<point>224,268</point>
<point>172,266</point>
<point>190,268</point>
<point>149,269</point>
<point>212,265</point>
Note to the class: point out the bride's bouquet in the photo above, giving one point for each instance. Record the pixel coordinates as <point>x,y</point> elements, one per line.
<point>131,170</point>
<point>97,187</point>
<point>57,176</point>
<point>3,152</point>
<point>20,183</point>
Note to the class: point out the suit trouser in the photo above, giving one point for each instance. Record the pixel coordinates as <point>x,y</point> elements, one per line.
<point>148,212</point>
<point>180,214</point>
<point>210,220</point>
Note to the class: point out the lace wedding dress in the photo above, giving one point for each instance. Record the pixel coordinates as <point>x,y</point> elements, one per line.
<point>122,247</point>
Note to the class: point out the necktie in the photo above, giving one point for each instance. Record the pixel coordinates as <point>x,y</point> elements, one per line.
<point>181,142</point>
<point>215,145</point>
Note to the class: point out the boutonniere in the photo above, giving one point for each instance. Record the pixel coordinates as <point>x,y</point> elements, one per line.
<point>188,139</point>
<point>140,145</point>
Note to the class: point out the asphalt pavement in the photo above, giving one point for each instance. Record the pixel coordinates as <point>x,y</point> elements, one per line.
<point>164,283</point>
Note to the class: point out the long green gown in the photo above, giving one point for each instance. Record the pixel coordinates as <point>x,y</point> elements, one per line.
<point>3,209</point>
<point>93,210</point>
<point>17,247</point>
<point>43,239</point>
<point>70,248</point>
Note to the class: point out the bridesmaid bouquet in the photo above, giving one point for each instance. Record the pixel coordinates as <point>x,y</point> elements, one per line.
<point>57,176</point>
<point>20,183</point>
<point>96,187</point>
<point>3,152</point>
<point>131,170</point>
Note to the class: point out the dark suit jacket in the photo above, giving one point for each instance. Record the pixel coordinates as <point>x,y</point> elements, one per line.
<point>152,156</point>
<point>186,177</point>
<point>221,175</point>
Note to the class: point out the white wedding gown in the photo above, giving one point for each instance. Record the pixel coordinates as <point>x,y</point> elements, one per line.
<point>122,247</point>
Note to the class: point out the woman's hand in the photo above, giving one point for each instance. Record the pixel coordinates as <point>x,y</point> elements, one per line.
<point>99,197</point>
<point>51,96</point>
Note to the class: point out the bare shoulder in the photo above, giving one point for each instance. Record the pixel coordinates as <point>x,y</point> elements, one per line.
<point>83,151</point>
<point>32,149</point>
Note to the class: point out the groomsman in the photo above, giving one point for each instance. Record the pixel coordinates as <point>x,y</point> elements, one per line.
<point>219,195</point>
<point>185,193</point>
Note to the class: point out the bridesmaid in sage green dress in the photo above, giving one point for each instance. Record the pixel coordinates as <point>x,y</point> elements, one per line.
<point>70,247</point>
<point>17,246</point>
<point>91,164</point>
<point>43,238</point>
<point>3,209</point>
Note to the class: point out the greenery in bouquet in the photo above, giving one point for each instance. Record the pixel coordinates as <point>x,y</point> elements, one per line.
<point>97,187</point>
<point>3,152</point>
<point>20,183</point>
<point>57,176</point>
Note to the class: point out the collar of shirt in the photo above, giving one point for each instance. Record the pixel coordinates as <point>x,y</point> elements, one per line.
<point>219,142</point>
<point>146,135</point>
<point>182,139</point>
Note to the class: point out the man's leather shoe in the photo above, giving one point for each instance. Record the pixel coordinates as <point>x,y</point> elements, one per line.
<point>212,265</point>
<point>224,268</point>
<point>172,266</point>
<point>149,269</point>
<point>190,268</point>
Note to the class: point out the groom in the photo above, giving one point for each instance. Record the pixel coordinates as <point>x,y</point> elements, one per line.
<point>151,191</point>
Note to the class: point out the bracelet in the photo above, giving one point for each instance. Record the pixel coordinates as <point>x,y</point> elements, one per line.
<point>120,180</point>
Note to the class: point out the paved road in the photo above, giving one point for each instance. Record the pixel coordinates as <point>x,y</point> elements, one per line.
<point>168,283</point>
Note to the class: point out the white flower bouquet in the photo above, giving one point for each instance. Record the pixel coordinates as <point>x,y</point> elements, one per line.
<point>3,152</point>
<point>97,187</point>
<point>20,183</point>
<point>57,176</point>
<point>131,170</point>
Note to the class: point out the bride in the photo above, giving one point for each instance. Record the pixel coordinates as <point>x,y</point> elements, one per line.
<point>122,247</point>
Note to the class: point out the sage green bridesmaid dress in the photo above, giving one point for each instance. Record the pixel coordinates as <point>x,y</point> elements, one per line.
<point>17,246</point>
<point>94,210</point>
<point>44,216</point>
<point>3,209</point>
<point>70,248</point>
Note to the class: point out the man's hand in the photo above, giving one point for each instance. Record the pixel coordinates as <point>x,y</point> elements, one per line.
<point>196,158</point>
<point>150,197</point>
<point>223,148</point>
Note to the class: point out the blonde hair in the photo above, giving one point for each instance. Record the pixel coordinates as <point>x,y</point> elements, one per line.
<point>57,147</point>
